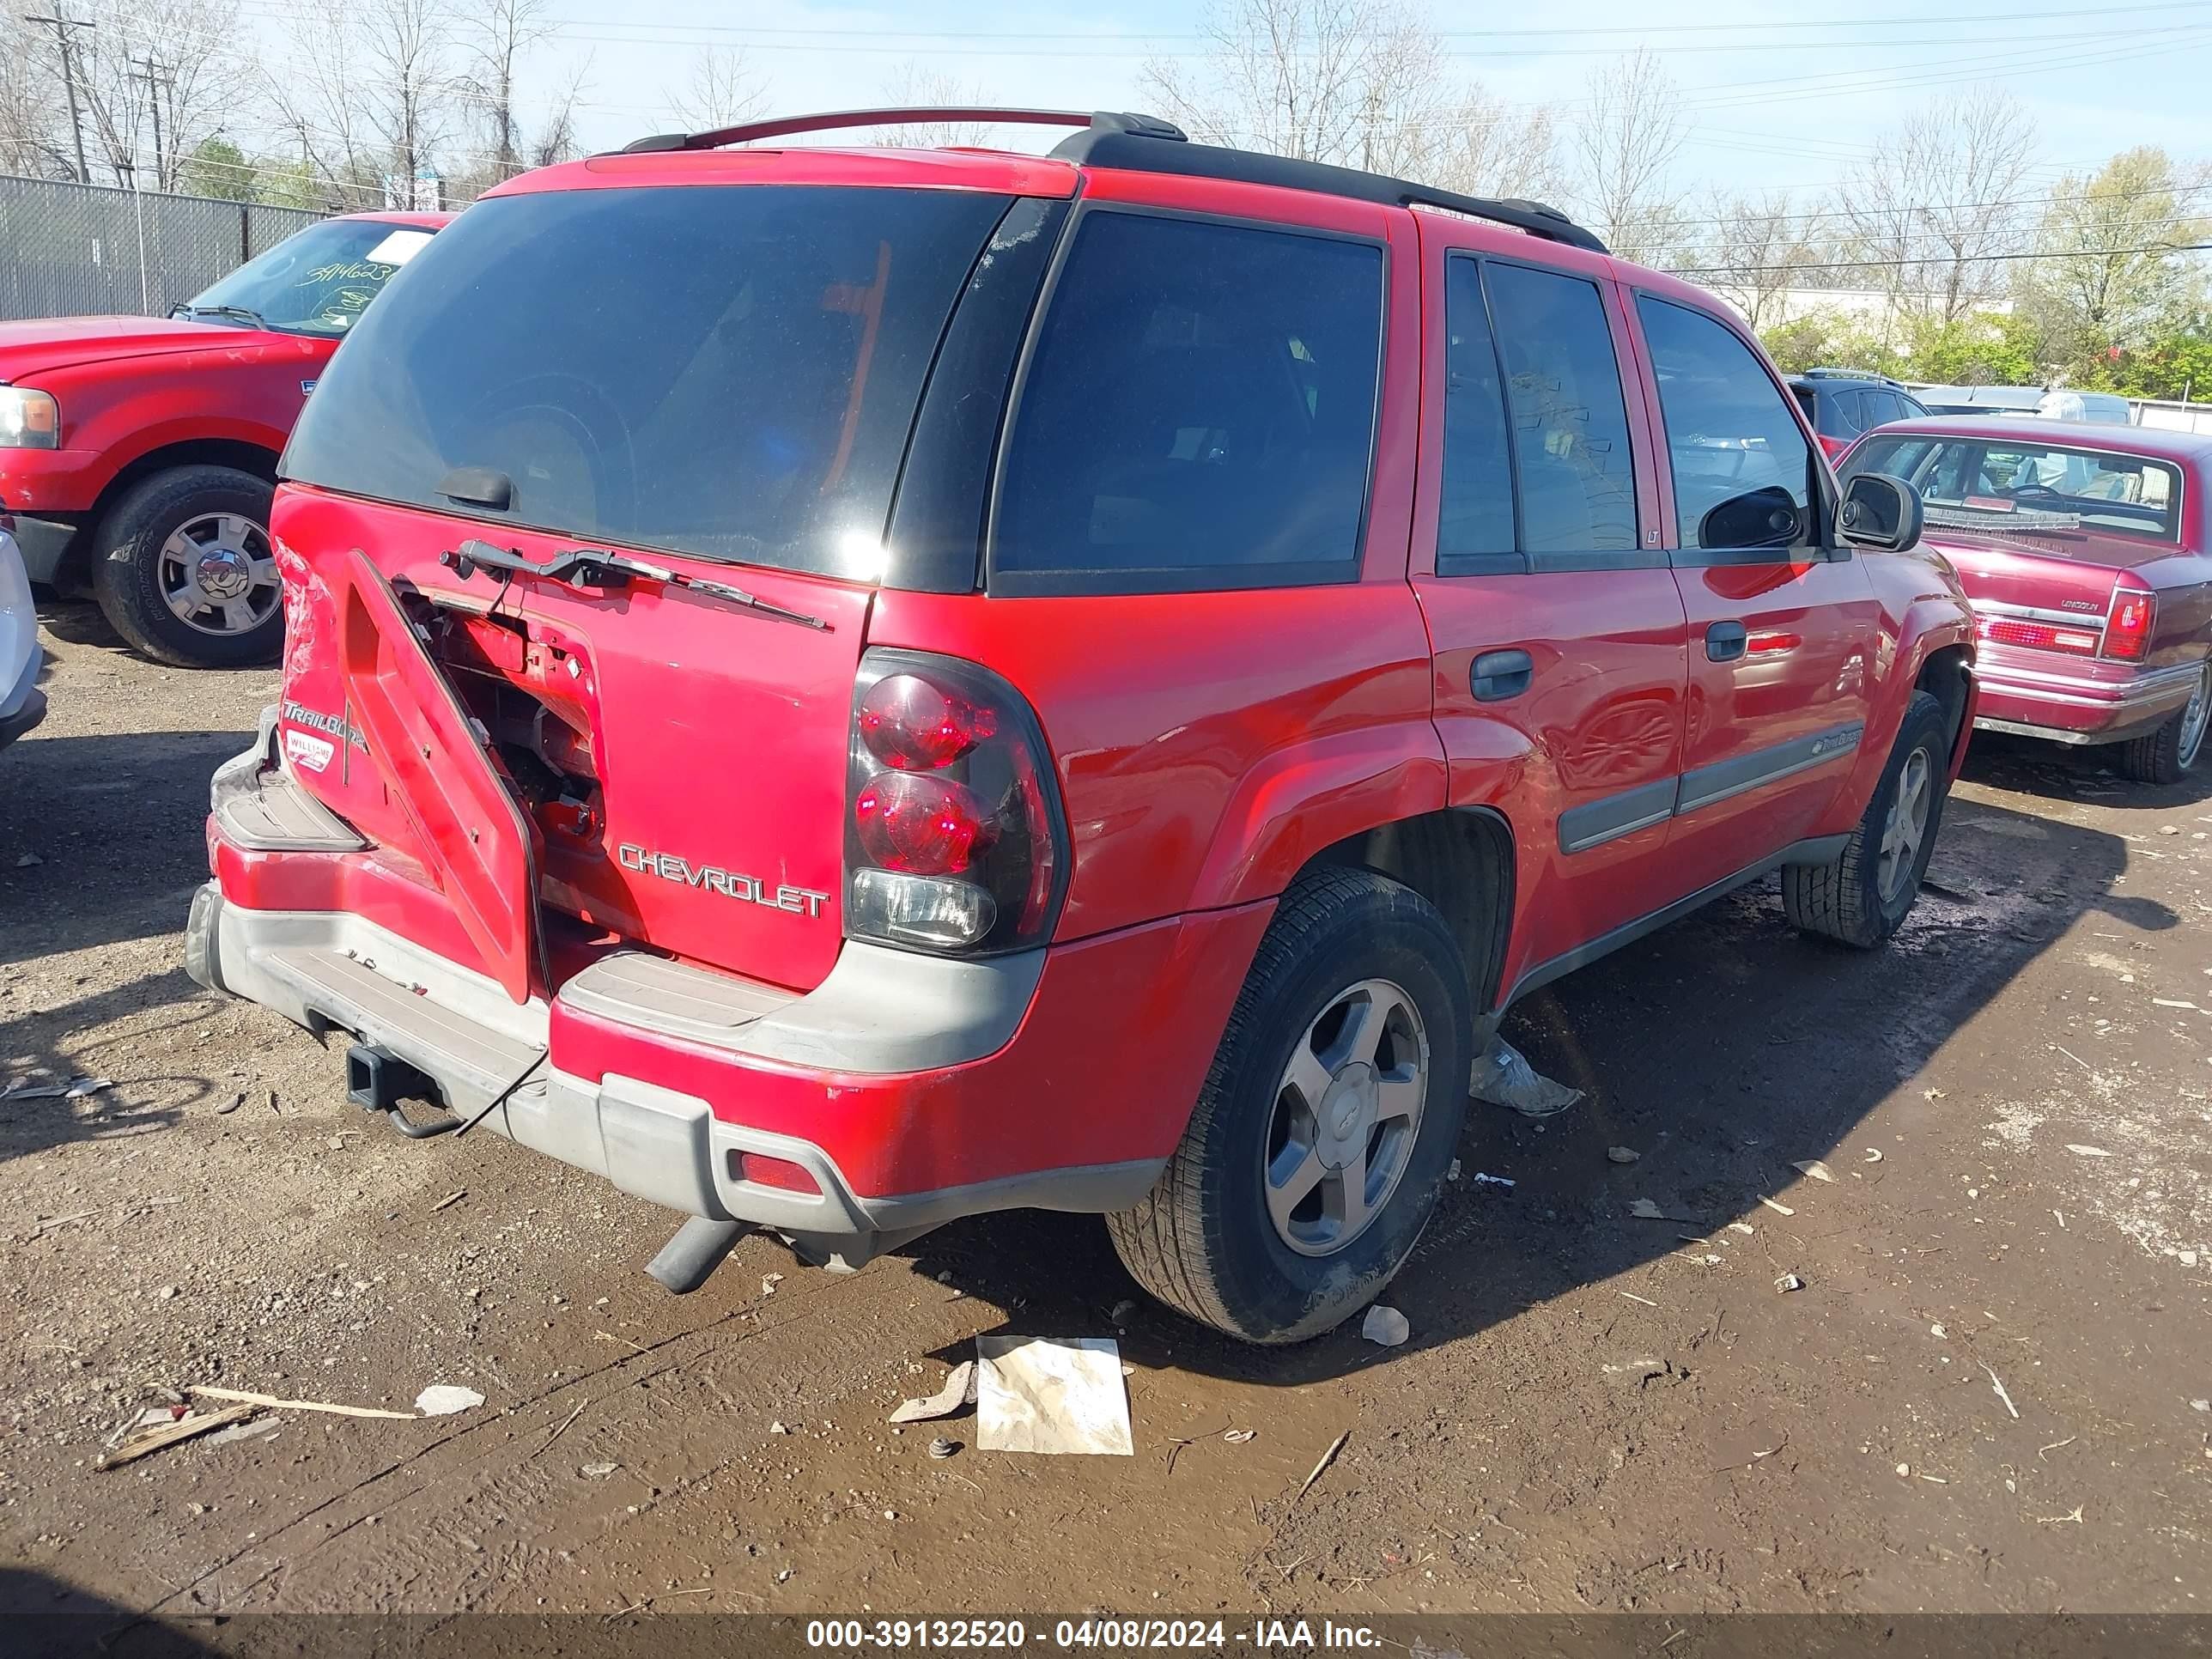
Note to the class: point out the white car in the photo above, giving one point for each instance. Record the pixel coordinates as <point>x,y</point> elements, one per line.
<point>22,705</point>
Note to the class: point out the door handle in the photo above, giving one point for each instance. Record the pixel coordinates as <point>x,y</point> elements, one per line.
<point>1498,675</point>
<point>1725,642</point>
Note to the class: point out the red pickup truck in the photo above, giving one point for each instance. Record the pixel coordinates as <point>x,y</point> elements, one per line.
<point>2087,550</point>
<point>137,454</point>
<point>842,689</point>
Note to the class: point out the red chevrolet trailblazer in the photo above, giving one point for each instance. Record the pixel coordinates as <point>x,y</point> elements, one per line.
<point>138,455</point>
<point>2087,552</point>
<point>846,688</point>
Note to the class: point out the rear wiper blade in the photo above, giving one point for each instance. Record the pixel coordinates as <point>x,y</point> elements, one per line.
<point>592,567</point>
<point>239,313</point>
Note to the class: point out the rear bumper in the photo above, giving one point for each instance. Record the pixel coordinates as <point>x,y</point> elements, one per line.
<point>910,1090</point>
<point>2078,708</point>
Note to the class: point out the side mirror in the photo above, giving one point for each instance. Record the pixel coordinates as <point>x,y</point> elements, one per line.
<point>1766,517</point>
<point>1880,511</point>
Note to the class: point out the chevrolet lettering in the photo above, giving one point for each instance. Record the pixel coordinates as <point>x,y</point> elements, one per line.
<point>800,901</point>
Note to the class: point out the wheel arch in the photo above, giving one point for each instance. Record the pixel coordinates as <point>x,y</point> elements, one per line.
<point>240,454</point>
<point>1460,860</point>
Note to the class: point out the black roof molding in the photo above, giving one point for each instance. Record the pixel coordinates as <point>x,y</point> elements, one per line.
<point>1146,143</point>
<point>837,120</point>
<point>1139,152</point>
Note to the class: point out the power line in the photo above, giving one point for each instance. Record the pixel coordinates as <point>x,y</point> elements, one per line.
<point>62,26</point>
<point>1945,260</point>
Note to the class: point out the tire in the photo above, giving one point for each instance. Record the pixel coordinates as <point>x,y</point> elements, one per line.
<point>1845,899</point>
<point>219,509</point>
<point>1204,1240</point>
<point>2168,754</point>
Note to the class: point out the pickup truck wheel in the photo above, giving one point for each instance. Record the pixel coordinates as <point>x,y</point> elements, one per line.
<point>1863,895</point>
<point>2168,754</point>
<point>1319,1143</point>
<point>187,572</point>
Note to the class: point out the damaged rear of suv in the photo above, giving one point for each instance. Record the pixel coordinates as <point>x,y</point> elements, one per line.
<point>843,690</point>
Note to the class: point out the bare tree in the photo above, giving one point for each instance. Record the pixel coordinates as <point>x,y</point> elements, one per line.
<point>1939,196</point>
<point>373,101</point>
<point>914,88</point>
<point>158,78</point>
<point>1489,149</point>
<point>31,120</point>
<point>1756,249</point>
<point>1358,82</point>
<point>725,90</point>
<point>1625,145</point>
<point>498,34</point>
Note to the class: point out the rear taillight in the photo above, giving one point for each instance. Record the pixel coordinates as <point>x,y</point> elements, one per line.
<point>2037,635</point>
<point>1834,448</point>
<point>953,837</point>
<point>2127,625</point>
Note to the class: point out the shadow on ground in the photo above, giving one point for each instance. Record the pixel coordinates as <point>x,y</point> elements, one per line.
<point>1722,1049</point>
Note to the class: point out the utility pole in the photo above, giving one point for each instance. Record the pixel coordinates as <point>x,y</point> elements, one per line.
<point>61,26</point>
<point>155,80</point>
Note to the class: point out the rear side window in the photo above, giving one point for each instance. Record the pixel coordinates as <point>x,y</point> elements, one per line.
<point>1474,519</point>
<point>1571,449</point>
<point>1198,412</point>
<point>1840,415</point>
<point>1730,434</point>
<point>728,371</point>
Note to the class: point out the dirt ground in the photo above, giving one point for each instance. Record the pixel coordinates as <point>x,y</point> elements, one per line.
<point>1988,1393</point>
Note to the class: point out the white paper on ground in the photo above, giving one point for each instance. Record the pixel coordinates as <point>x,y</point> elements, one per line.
<point>1038,1394</point>
<point>444,1399</point>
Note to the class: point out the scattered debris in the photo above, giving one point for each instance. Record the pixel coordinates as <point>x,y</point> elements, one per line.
<point>2060,1520</point>
<point>940,1449</point>
<point>778,1427</point>
<point>2061,1214</point>
<point>2079,1151</point>
<point>959,1390</point>
<point>1778,1208</point>
<point>236,1101</point>
<point>558,1432</point>
<point>1054,1395</point>
<point>146,1441</point>
<point>254,1428</point>
<point>1621,1155</point>
<point>1789,1282</point>
<point>69,1089</point>
<point>1934,1479</point>
<point>1385,1327</point>
<point>2201,1404</point>
<point>1904,1471</point>
<point>1743,1227</point>
<point>454,1197</point>
<point>1238,1437</point>
<point>1452,1174</point>
<point>1645,1300</point>
<point>447,1399</point>
<point>2168,1002</point>
<point>769,1281</point>
<point>1998,1384</point>
<point>597,1471</point>
<point>1645,1210</point>
<point>1504,1077</point>
<point>1122,1309</point>
<point>1817,1170</point>
<point>1482,1180</point>
<point>1327,1458</point>
<point>1639,1371</point>
<point>1874,1155</point>
<point>1935,1330</point>
<point>274,1404</point>
<point>30,861</point>
<point>2055,1445</point>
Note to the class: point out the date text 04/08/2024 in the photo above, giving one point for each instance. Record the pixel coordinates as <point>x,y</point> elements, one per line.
<point>1007,1634</point>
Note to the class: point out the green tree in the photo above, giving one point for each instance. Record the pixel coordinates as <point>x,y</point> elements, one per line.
<point>218,168</point>
<point>2116,262</point>
<point>1981,350</point>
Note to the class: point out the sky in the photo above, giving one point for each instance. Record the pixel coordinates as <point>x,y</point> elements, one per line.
<point>1782,95</point>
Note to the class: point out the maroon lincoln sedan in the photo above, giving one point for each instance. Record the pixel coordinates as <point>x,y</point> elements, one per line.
<point>2087,551</point>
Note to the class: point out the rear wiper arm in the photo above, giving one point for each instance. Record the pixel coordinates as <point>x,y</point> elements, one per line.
<point>592,567</point>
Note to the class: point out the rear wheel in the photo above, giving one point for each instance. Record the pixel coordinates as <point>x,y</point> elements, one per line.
<point>1319,1143</point>
<point>1864,893</point>
<point>2168,754</point>
<point>187,572</point>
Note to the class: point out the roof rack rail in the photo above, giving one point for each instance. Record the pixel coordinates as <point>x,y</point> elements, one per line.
<point>1140,151</point>
<point>1146,143</point>
<point>834,120</point>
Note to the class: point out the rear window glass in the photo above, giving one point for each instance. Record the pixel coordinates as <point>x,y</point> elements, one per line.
<point>2011,487</point>
<point>728,371</point>
<point>1198,411</point>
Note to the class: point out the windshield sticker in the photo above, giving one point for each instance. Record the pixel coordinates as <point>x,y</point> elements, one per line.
<point>399,247</point>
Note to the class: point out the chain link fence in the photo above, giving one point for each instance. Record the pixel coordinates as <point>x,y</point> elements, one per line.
<point>71,249</point>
